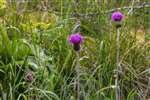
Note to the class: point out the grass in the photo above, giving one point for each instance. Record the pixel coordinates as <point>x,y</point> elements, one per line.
<point>35,40</point>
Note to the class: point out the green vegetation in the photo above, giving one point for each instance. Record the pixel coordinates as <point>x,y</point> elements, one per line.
<point>38,63</point>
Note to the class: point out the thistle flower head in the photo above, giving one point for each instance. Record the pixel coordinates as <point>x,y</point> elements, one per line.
<point>117,16</point>
<point>76,39</point>
<point>29,77</point>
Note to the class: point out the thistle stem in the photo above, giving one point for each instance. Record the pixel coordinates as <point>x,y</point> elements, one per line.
<point>78,75</point>
<point>118,65</point>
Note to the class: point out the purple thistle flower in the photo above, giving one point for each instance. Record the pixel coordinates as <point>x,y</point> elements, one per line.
<point>29,77</point>
<point>76,39</point>
<point>117,16</point>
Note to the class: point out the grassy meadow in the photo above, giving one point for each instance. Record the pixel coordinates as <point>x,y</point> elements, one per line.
<point>38,63</point>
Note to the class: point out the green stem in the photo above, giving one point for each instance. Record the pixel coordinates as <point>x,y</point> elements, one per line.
<point>78,75</point>
<point>118,65</point>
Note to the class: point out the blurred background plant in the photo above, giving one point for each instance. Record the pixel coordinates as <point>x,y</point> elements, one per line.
<point>2,7</point>
<point>33,42</point>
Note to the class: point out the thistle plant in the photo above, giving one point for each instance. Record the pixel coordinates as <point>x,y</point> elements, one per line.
<point>76,40</point>
<point>117,18</point>
<point>29,77</point>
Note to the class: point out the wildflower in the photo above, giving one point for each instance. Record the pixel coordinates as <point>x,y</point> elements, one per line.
<point>76,39</point>
<point>2,4</point>
<point>29,77</point>
<point>2,7</point>
<point>117,16</point>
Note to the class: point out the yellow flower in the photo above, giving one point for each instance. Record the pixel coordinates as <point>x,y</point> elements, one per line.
<point>2,4</point>
<point>41,25</point>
